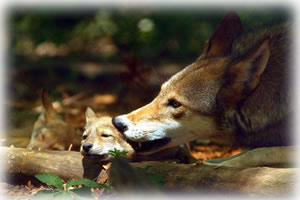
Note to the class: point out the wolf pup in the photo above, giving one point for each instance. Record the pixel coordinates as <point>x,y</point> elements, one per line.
<point>100,137</point>
<point>236,92</point>
<point>50,132</point>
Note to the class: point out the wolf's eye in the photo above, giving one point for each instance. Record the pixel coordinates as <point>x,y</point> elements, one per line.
<point>174,103</point>
<point>84,137</point>
<point>105,135</point>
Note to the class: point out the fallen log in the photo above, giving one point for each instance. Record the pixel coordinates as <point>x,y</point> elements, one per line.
<point>66,164</point>
<point>180,177</point>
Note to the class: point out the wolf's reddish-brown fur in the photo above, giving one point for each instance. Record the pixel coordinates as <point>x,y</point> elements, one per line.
<point>237,91</point>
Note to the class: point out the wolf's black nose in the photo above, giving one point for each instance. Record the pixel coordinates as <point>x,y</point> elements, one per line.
<point>119,125</point>
<point>87,147</point>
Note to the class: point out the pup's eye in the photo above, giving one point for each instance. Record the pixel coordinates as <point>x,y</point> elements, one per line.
<point>105,135</point>
<point>84,137</point>
<point>174,103</point>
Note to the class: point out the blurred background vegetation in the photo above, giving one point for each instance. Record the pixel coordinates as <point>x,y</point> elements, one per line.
<point>116,57</point>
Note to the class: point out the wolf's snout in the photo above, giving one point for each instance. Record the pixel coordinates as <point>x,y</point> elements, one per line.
<point>119,124</point>
<point>87,147</point>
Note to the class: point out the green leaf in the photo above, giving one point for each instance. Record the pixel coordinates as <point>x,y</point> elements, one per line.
<point>80,195</point>
<point>157,179</point>
<point>154,178</point>
<point>63,195</point>
<point>87,183</point>
<point>143,170</point>
<point>116,153</point>
<point>146,168</point>
<point>82,192</point>
<point>50,179</point>
<point>44,194</point>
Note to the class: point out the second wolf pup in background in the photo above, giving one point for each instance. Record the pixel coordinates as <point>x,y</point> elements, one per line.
<point>50,132</point>
<point>237,91</point>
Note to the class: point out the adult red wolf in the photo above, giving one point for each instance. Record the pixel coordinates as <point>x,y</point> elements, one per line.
<point>237,91</point>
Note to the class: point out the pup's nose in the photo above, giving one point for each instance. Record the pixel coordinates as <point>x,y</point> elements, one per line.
<point>87,147</point>
<point>119,124</point>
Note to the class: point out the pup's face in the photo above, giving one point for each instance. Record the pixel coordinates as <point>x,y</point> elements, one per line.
<point>182,111</point>
<point>100,137</point>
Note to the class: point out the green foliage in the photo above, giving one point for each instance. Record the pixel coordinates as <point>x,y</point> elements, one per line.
<point>87,183</point>
<point>56,194</point>
<point>116,153</point>
<point>51,180</point>
<point>45,194</point>
<point>148,34</point>
<point>156,179</point>
<point>80,188</point>
<point>144,170</point>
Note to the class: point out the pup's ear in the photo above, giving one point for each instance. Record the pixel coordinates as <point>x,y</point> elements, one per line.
<point>221,41</point>
<point>244,76</point>
<point>49,112</point>
<point>89,115</point>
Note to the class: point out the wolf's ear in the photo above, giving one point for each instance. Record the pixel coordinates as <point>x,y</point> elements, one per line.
<point>244,76</point>
<point>221,41</point>
<point>49,112</point>
<point>89,115</point>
